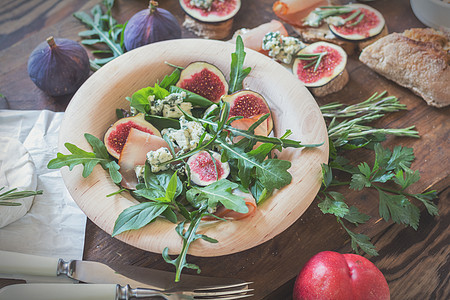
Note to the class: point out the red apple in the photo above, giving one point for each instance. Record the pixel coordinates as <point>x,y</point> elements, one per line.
<point>334,276</point>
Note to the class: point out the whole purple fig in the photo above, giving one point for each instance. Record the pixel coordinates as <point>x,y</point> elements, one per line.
<point>58,66</point>
<point>151,25</point>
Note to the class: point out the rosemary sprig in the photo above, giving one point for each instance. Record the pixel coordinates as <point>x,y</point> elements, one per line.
<point>12,194</point>
<point>315,59</point>
<point>351,129</point>
<point>377,103</point>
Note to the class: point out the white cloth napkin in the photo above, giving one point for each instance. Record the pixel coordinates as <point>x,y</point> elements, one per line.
<point>54,226</point>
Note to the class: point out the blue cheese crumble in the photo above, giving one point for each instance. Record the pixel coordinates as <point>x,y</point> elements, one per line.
<point>203,4</point>
<point>187,137</point>
<point>167,107</point>
<point>281,48</point>
<point>157,158</point>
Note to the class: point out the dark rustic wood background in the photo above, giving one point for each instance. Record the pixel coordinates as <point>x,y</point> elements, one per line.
<point>415,263</point>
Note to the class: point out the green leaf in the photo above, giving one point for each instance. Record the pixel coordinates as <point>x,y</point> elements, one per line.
<point>406,178</point>
<point>189,236</point>
<point>162,122</point>
<point>87,159</point>
<point>361,240</point>
<point>334,204</point>
<point>218,192</point>
<point>272,173</point>
<point>401,157</point>
<point>327,175</point>
<point>97,146</point>
<point>365,169</point>
<point>138,216</point>
<point>191,97</point>
<point>157,185</point>
<point>237,73</point>
<point>359,181</point>
<point>139,99</point>
<point>426,199</point>
<point>170,80</point>
<point>399,208</point>
<point>355,216</point>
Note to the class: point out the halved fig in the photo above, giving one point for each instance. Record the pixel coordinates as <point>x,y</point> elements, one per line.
<point>368,23</point>
<point>134,153</point>
<point>116,135</point>
<point>205,80</point>
<point>331,64</point>
<point>204,170</point>
<point>216,11</point>
<point>248,104</point>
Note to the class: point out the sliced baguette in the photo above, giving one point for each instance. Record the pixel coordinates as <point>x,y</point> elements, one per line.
<point>417,59</point>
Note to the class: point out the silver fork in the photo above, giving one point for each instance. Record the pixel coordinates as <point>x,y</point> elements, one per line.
<point>224,292</point>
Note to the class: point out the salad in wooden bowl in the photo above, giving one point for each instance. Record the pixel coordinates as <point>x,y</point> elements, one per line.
<point>192,146</point>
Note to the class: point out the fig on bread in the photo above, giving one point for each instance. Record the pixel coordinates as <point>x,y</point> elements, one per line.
<point>210,18</point>
<point>351,26</point>
<point>321,67</point>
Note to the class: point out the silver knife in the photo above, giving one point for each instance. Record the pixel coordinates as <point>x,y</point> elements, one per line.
<point>94,272</point>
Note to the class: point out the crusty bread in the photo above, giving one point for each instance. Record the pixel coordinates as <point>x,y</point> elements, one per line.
<point>218,31</point>
<point>417,59</point>
<point>335,85</point>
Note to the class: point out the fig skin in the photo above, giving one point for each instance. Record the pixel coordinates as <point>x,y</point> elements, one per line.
<point>58,66</point>
<point>149,26</point>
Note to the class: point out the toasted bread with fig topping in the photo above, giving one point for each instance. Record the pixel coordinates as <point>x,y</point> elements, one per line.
<point>417,59</point>
<point>324,34</point>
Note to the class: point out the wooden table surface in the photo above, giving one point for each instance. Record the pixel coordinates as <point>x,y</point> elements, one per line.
<point>415,263</point>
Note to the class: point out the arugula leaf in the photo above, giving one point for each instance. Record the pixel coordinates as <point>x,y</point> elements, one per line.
<point>88,159</point>
<point>218,192</point>
<point>138,216</point>
<point>189,236</point>
<point>192,97</point>
<point>170,80</point>
<point>237,73</point>
<point>272,173</point>
<point>103,29</point>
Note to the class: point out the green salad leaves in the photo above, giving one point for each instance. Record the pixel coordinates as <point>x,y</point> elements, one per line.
<point>170,194</point>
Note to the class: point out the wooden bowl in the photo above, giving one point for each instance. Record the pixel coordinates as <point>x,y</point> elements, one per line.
<point>92,110</point>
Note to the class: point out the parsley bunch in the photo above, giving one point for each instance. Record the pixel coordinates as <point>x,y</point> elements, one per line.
<point>390,175</point>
